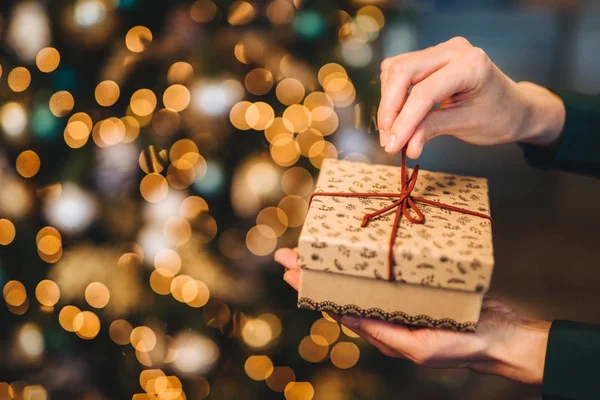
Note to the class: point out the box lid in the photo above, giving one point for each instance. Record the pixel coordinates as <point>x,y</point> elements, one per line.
<point>451,249</point>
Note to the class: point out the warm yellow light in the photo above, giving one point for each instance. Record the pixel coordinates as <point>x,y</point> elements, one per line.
<point>47,59</point>
<point>7,232</point>
<point>143,102</point>
<point>120,332</point>
<point>97,295</point>
<point>258,368</point>
<point>176,98</point>
<point>61,103</point>
<point>47,293</point>
<point>138,39</point>
<point>19,79</point>
<point>107,93</point>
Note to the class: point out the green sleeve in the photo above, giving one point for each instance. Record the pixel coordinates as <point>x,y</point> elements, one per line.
<point>572,368</point>
<point>579,147</point>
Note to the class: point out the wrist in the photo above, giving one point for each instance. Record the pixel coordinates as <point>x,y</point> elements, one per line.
<point>521,356</point>
<point>543,117</point>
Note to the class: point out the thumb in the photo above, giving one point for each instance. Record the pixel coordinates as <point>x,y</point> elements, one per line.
<point>446,121</point>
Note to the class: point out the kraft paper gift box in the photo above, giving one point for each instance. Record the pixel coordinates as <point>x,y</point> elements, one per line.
<point>438,270</point>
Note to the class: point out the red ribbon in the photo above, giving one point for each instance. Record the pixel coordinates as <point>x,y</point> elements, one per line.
<point>403,205</point>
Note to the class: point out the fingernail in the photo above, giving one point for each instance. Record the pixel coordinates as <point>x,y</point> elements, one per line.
<point>391,144</point>
<point>382,138</point>
<point>350,322</point>
<point>420,149</point>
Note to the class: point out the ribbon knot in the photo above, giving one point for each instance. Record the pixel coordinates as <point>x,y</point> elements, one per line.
<point>404,203</point>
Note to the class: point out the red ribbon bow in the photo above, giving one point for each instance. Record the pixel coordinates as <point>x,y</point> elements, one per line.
<point>403,205</point>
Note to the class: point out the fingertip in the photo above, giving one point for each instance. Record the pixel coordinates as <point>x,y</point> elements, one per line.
<point>414,149</point>
<point>391,144</point>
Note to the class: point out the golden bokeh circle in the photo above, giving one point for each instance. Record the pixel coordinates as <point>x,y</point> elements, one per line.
<point>295,208</point>
<point>138,39</point>
<point>299,391</point>
<point>306,139</point>
<point>177,285</point>
<point>120,332</point>
<point>86,325</point>
<point>280,12</point>
<point>153,159</point>
<point>240,13</point>
<point>47,293</point>
<point>111,131</point>
<point>278,127</point>
<point>299,116</point>
<point>47,59</point>
<point>290,91</point>
<point>28,164</point>
<point>202,294</point>
<point>203,11</point>
<point>324,332</point>
<point>180,72</point>
<point>19,79</point>
<point>345,355</point>
<point>328,69</point>
<point>237,115</point>
<point>143,102</point>
<point>258,368</point>
<point>259,115</point>
<point>192,207</point>
<point>143,339</point>
<point>261,240</point>
<point>160,284</point>
<point>298,181</point>
<point>259,81</point>
<point>320,151</point>
<point>132,129</point>
<point>14,293</point>
<point>257,333</point>
<point>167,262</point>
<point>176,97</point>
<point>154,187</point>
<point>66,316</point>
<point>280,378</point>
<point>7,232</point>
<point>312,351</point>
<point>284,150</point>
<point>97,295</point>
<point>274,218</point>
<point>107,93</point>
<point>61,103</point>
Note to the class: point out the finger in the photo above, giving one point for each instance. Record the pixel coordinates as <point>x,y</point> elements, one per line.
<point>407,71</point>
<point>450,121</point>
<point>382,347</point>
<point>389,61</point>
<point>458,76</point>
<point>292,277</point>
<point>288,258</point>
<point>397,337</point>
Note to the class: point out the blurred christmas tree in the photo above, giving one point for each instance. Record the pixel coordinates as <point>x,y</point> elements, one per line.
<point>153,155</point>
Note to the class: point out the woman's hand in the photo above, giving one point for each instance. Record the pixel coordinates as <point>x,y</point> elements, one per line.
<point>480,104</point>
<point>505,343</point>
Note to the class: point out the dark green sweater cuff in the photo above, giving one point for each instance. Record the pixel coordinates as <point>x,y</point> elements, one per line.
<point>577,150</point>
<point>572,368</point>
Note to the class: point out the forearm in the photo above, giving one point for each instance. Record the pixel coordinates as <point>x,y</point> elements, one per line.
<point>543,117</point>
<point>519,356</point>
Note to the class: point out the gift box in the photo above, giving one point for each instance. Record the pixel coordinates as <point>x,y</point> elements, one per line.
<point>397,244</point>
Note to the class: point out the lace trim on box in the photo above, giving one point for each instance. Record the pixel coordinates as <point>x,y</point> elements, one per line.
<point>397,316</point>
